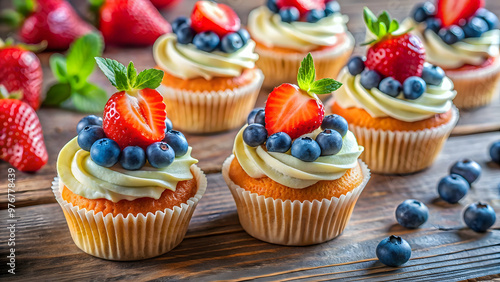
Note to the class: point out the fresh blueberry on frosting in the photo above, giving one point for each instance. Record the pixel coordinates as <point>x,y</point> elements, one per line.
<point>303,10</point>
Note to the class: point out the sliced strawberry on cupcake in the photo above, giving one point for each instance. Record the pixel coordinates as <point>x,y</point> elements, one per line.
<point>215,17</point>
<point>135,115</point>
<point>304,6</point>
<point>451,12</point>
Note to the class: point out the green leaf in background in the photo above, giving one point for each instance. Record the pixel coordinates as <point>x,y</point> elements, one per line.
<point>307,73</point>
<point>150,78</point>
<point>58,67</point>
<point>80,59</point>
<point>57,94</point>
<point>324,86</point>
<point>90,98</point>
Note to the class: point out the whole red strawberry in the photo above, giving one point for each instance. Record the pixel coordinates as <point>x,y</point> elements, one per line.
<point>53,21</point>
<point>398,56</point>
<point>134,116</point>
<point>296,110</point>
<point>21,138</point>
<point>131,22</point>
<point>21,71</point>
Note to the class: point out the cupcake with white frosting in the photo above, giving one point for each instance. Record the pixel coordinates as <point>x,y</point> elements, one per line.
<point>210,82</point>
<point>400,107</point>
<point>465,43</point>
<point>285,31</point>
<point>294,174</point>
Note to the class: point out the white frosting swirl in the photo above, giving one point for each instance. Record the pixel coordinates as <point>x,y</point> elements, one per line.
<point>186,61</point>
<point>470,51</point>
<point>287,170</point>
<point>267,28</point>
<point>435,100</point>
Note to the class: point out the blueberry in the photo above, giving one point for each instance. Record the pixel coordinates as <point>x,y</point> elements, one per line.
<point>271,5</point>
<point>252,114</point>
<point>452,35</point>
<point>168,124</point>
<point>206,41</point>
<point>89,135</point>
<point>413,87</point>
<point>160,154</point>
<point>432,74</point>
<point>133,158</point>
<point>433,24</point>
<point>355,65</point>
<point>393,251</point>
<point>279,142</point>
<point>330,142</point>
<point>331,8</point>
<point>306,149</point>
<point>337,123</point>
<point>88,120</point>
<point>177,142</point>
<point>370,79</point>
<point>315,15</point>
<point>255,135</point>
<point>495,152</point>
<point>260,117</point>
<point>475,27</point>
<point>490,18</point>
<point>412,213</point>
<point>289,14</point>
<point>453,188</point>
<point>468,169</point>
<point>105,152</point>
<point>231,43</point>
<point>185,34</point>
<point>180,21</point>
<point>390,86</point>
<point>423,11</point>
<point>245,36</point>
<point>479,216</point>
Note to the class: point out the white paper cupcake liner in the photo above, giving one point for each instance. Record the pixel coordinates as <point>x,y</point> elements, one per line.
<point>131,237</point>
<point>210,111</point>
<point>401,152</point>
<point>293,223</point>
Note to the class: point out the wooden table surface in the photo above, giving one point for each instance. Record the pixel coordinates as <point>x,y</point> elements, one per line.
<point>217,248</point>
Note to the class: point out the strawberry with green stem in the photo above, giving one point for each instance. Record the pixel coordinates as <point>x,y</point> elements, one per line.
<point>135,115</point>
<point>297,110</point>
<point>392,55</point>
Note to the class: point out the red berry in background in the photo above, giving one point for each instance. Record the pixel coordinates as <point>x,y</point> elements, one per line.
<point>21,71</point>
<point>53,21</point>
<point>397,56</point>
<point>131,22</point>
<point>21,138</point>
<point>211,16</point>
<point>450,12</point>
<point>303,6</point>
<point>165,4</point>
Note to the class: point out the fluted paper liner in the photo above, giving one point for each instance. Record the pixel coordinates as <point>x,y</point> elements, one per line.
<point>279,67</point>
<point>210,111</point>
<point>401,152</point>
<point>131,237</point>
<point>476,88</point>
<point>293,223</point>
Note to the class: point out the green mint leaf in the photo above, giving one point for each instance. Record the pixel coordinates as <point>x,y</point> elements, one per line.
<point>80,56</point>
<point>150,78</point>
<point>307,73</point>
<point>57,94</point>
<point>131,74</point>
<point>115,72</point>
<point>58,66</point>
<point>89,99</point>
<point>324,86</point>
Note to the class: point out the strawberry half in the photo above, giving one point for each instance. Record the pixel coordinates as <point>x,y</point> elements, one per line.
<point>450,12</point>
<point>303,6</point>
<point>134,116</point>
<point>210,16</point>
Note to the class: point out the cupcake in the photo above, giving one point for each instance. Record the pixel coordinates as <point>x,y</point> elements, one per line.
<point>463,38</point>
<point>127,184</point>
<point>210,82</point>
<point>399,106</point>
<point>286,31</point>
<point>295,174</point>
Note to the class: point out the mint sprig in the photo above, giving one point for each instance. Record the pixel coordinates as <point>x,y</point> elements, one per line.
<point>126,78</point>
<point>380,26</point>
<point>72,71</point>
<point>307,75</point>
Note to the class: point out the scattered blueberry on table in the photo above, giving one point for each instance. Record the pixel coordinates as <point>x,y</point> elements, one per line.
<point>393,251</point>
<point>495,152</point>
<point>453,188</point>
<point>479,216</point>
<point>412,213</point>
<point>468,169</point>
